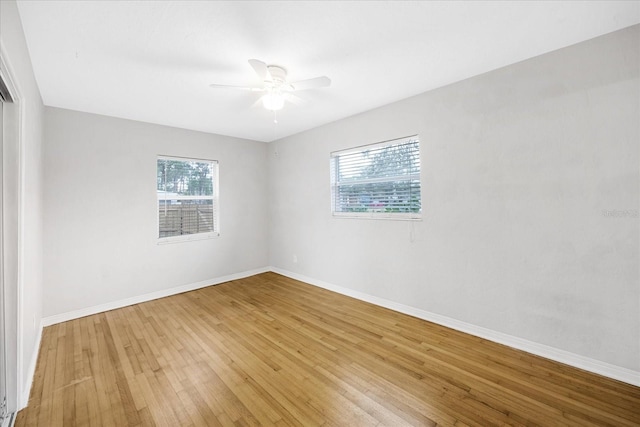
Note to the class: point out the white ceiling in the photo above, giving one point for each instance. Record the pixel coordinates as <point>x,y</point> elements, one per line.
<point>152,61</point>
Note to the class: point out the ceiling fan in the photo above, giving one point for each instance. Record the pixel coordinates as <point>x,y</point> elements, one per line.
<point>276,86</point>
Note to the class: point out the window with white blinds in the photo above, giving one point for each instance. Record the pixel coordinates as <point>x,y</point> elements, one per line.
<point>377,181</point>
<point>187,198</point>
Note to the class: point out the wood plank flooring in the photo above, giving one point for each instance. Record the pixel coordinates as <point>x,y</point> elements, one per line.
<point>268,350</point>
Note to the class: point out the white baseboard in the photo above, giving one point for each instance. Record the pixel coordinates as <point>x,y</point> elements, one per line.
<point>562,356</point>
<point>606,369</point>
<point>23,399</point>
<point>76,314</point>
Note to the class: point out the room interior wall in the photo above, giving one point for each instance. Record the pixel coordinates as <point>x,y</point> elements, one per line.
<point>530,179</point>
<point>100,223</point>
<point>23,192</point>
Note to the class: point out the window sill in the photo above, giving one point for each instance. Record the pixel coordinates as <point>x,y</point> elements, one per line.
<point>187,238</point>
<point>383,216</point>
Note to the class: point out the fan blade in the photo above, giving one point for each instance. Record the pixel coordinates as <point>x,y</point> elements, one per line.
<point>249,88</point>
<point>323,81</point>
<point>261,69</point>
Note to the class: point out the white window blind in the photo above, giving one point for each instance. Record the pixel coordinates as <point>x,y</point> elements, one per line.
<point>187,198</point>
<point>377,181</point>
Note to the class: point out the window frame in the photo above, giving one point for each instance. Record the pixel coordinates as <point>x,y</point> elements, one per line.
<point>334,182</point>
<point>215,198</point>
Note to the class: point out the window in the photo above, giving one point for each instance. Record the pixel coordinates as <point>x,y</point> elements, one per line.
<point>187,199</point>
<point>377,181</point>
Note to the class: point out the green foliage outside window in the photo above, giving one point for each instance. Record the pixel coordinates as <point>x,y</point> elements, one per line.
<point>185,178</point>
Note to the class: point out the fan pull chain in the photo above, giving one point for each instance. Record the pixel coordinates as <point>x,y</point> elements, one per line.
<point>275,125</point>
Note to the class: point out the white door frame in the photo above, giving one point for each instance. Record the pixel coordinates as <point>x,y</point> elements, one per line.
<point>13,177</point>
<point>5,417</point>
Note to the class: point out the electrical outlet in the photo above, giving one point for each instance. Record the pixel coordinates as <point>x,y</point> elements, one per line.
<point>295,259</point>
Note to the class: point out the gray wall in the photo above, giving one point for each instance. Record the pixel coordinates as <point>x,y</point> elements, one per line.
<point>518,166</point>
<point>101,207</point>
<point>22,172</point>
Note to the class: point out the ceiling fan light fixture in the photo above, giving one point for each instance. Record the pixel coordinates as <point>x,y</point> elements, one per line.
<point>275,86</point>
<point>273,100</point>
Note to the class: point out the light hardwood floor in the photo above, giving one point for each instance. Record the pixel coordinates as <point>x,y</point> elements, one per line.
<point>268,350</point>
